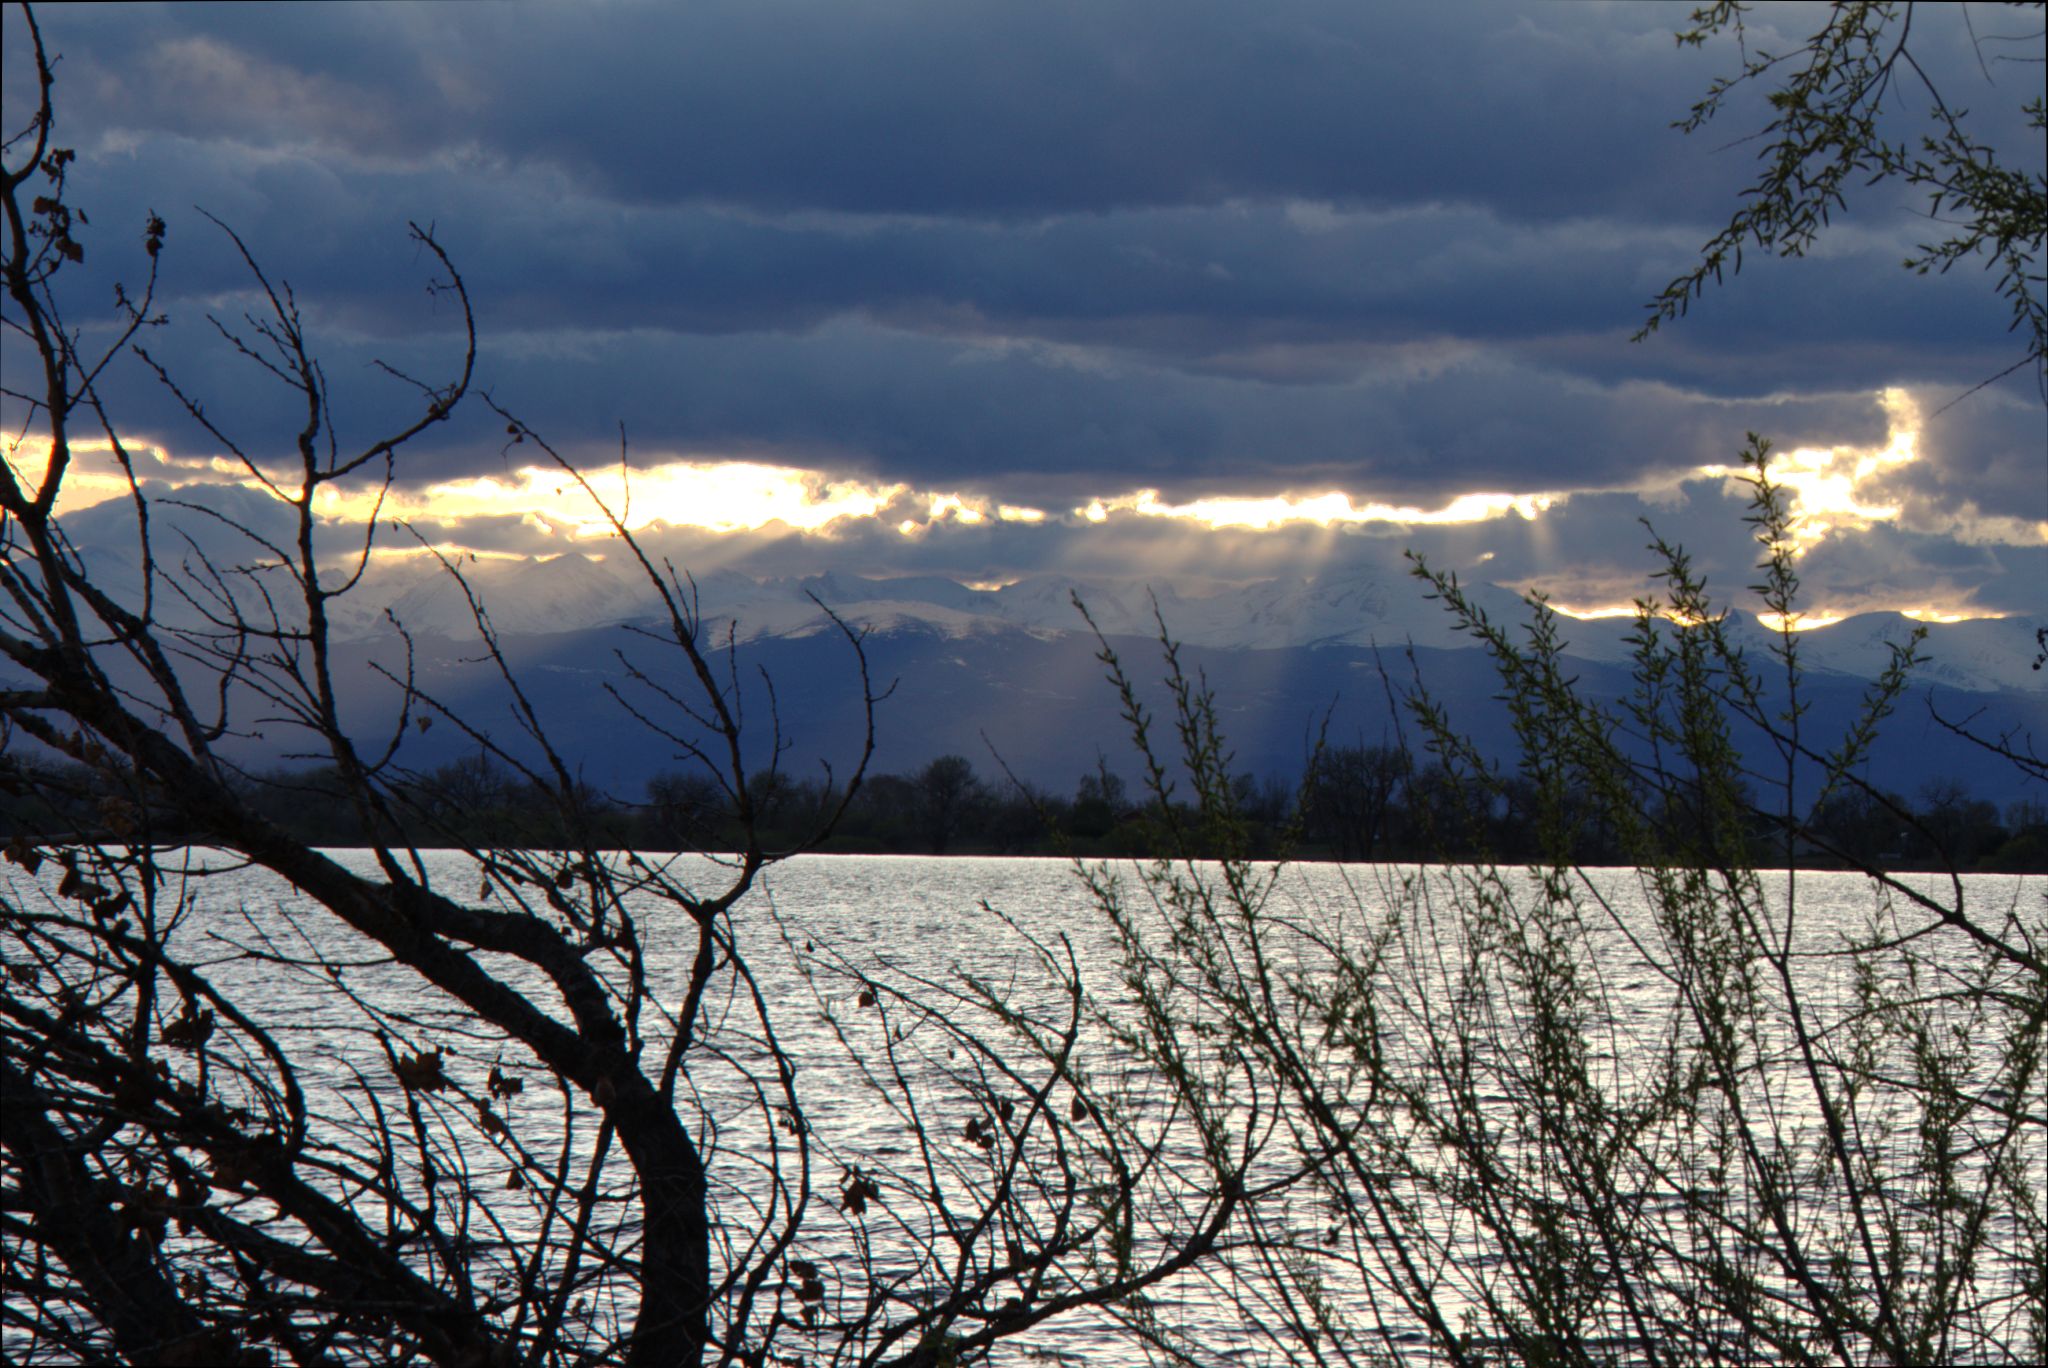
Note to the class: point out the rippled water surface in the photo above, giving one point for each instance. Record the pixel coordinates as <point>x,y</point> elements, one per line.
<point>902,918</point>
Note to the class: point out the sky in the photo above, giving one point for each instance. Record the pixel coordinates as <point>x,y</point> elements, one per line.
<point>1202,293</point>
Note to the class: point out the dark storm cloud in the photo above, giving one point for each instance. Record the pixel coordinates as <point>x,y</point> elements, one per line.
<point>1273,290</point>
<point>1042,253</point>
<point>934,108</point>
<point>937,108</point>
<point>1228,346</point>
<point>1025,421</point>
<point>1037,423</point>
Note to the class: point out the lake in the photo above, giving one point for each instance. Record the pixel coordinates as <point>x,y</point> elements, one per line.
<point>821,932</point>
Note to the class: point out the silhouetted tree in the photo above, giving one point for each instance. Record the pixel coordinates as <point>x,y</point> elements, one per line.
<point>517,1102</point>
<point>1351,794</point>
<point>948,794</point>
<point>1100,802</point>
<point>1960,828</point>
<point>1537,1114</point>
<point>1835,129</point>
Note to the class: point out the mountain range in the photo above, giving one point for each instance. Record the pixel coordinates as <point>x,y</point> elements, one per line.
<point>530,596</point>
<point>1009,674</point>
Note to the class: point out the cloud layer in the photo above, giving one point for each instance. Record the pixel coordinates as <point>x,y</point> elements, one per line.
<point>1345,257</point>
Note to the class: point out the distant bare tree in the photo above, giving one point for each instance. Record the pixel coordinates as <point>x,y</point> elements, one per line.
<point>1351,796</point>
<point>947,792</point>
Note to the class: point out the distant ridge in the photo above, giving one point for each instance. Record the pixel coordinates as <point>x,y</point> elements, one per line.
<point>535,596</point>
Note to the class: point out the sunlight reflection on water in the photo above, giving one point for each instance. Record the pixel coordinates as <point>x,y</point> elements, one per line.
<point>906,916</point>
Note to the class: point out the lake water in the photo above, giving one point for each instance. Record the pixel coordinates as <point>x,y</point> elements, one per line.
<point>918,925</point>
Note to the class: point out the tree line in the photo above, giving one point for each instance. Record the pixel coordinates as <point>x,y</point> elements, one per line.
<point>1353,803</point>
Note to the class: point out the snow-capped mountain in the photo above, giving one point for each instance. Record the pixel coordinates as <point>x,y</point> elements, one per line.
<point>573,592</point>
<point>1013,671</point>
